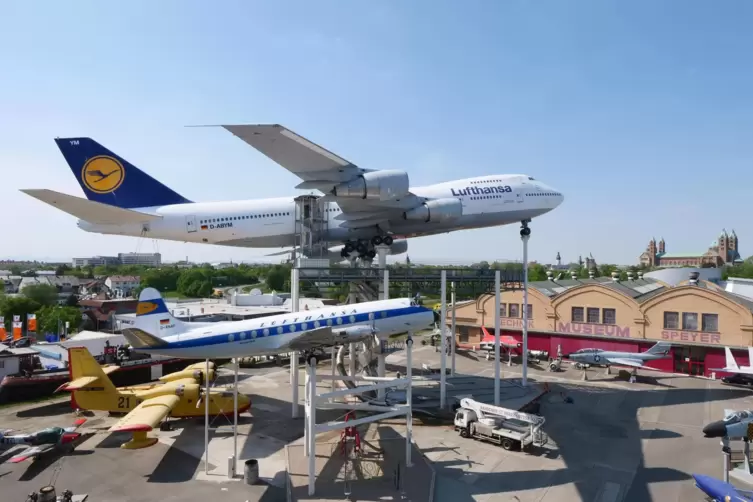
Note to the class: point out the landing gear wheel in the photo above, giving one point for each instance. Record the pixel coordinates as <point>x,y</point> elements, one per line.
<point>376,240</point>
<point>371,254</point>
<point>362,249</point>
<point>387,240</point>
<point>507,444</point>
<point>349,247</point>
<point>343,253</point>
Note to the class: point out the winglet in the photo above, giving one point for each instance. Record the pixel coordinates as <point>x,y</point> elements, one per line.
<point>731,364</point>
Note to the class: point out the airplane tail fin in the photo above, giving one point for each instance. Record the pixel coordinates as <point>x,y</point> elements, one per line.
<point>110,179</point>
<point>730,362</point>
<point>154,319</point>
<point>86,373</point>
<point>661,348</point>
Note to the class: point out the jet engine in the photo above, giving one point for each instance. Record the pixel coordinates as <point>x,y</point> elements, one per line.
<point>438,210</point>
<point>377,185</point>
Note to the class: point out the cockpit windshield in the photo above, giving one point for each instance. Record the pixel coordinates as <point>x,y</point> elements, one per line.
<point>736,417</point>
<point>532,179</point>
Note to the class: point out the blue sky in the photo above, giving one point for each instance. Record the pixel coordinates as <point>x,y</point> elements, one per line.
<point>640,112</point>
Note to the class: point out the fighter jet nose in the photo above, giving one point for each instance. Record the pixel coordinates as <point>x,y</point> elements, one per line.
<point>715,430</point>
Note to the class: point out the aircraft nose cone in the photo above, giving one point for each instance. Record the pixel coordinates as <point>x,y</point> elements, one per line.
<point>715,430</point>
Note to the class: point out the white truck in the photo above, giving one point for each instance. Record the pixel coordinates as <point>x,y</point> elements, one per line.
<point>508,428</point>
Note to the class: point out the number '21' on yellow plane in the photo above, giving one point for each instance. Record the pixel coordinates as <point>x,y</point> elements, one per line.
<point>177,395</point>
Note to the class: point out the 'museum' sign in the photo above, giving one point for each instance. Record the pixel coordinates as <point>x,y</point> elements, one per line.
<point>691,336</point>
<point>575,328</point>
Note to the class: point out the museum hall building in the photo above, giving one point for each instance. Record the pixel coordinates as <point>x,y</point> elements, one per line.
<point>698,317</point>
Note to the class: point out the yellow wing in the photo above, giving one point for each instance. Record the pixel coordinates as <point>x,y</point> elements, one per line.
<point>146,415</point>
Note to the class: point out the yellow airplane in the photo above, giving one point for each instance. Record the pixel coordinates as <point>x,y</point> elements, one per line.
<point>177,395</point>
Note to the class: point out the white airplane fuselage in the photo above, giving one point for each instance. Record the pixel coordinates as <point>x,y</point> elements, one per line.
<point>272,334</point>
<point>487,201</point>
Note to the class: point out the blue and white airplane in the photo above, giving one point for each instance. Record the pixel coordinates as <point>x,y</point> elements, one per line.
<point>719,491</point>
<point>157,332</point>
<point>362,208</point>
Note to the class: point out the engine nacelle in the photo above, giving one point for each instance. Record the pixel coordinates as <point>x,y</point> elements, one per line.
<point>436,210</point>
<point>357,332</point>
<point>378,185</point>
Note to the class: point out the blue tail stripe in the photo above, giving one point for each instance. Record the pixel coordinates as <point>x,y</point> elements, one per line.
<point>110,179</point>
<point>274,330</point>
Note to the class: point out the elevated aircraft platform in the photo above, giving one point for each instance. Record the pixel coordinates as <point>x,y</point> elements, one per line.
<point>377,472</point>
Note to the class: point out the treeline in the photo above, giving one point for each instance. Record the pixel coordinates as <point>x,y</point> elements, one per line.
<point>200,281</point>
<point>41,299</point>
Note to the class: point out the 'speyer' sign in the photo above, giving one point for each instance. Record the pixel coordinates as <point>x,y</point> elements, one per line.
<point>691,336</point>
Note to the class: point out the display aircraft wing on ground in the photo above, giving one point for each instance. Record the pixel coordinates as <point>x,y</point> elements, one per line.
<point>42,441</point>
<point>300,331</point>
<point>357,208</point>
<point>731,365</point>
<point>719,491</point>
<point>177,395</point>
<point>602,357</point>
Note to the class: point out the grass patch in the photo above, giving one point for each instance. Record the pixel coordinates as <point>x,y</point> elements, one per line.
<point>174,294</point>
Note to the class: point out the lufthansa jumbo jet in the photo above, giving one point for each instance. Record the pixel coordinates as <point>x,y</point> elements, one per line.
<point>363,208</point>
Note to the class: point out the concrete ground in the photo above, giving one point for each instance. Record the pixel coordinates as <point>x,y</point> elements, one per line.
<point>616,442</point>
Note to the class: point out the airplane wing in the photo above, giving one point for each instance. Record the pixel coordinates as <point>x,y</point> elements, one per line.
<point>31,452</point>
<point>146,415</point>
<point>622,361</point>
<point>327,337</point>
<point>322,170</point>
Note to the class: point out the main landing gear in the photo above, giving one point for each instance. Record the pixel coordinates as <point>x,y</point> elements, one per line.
<point>365,248</point>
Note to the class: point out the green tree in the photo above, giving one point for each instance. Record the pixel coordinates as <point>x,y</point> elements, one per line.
<point>62,269</point>
<point>49,319</point>
<point>43,294</point>
<point>162,279</point>
<point>71,301</point>
<point>276,278</point>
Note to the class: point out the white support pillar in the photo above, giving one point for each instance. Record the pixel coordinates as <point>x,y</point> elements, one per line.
<point>409,400</point>
<point>306,412</point>
<point>312,427</point>
<point>452,330</point>
<point>294,304</point>
<point>443,343</point>
<point>384,294</point>
<point>524,380</point>
<point>352,360</point>
<point>334,364</point>
<point>206,418</point>
<point>235,418</point>
<point>497,280</point>
<point>381,368</point>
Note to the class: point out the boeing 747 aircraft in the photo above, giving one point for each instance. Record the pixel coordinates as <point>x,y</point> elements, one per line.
<point>158,332</point>
<point>361,208</point>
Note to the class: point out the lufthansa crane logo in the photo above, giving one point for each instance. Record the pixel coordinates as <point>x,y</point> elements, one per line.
<point>145,307</point>
<point>103,174</point>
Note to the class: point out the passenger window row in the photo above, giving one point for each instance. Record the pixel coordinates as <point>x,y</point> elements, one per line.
<point>247,217</point>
